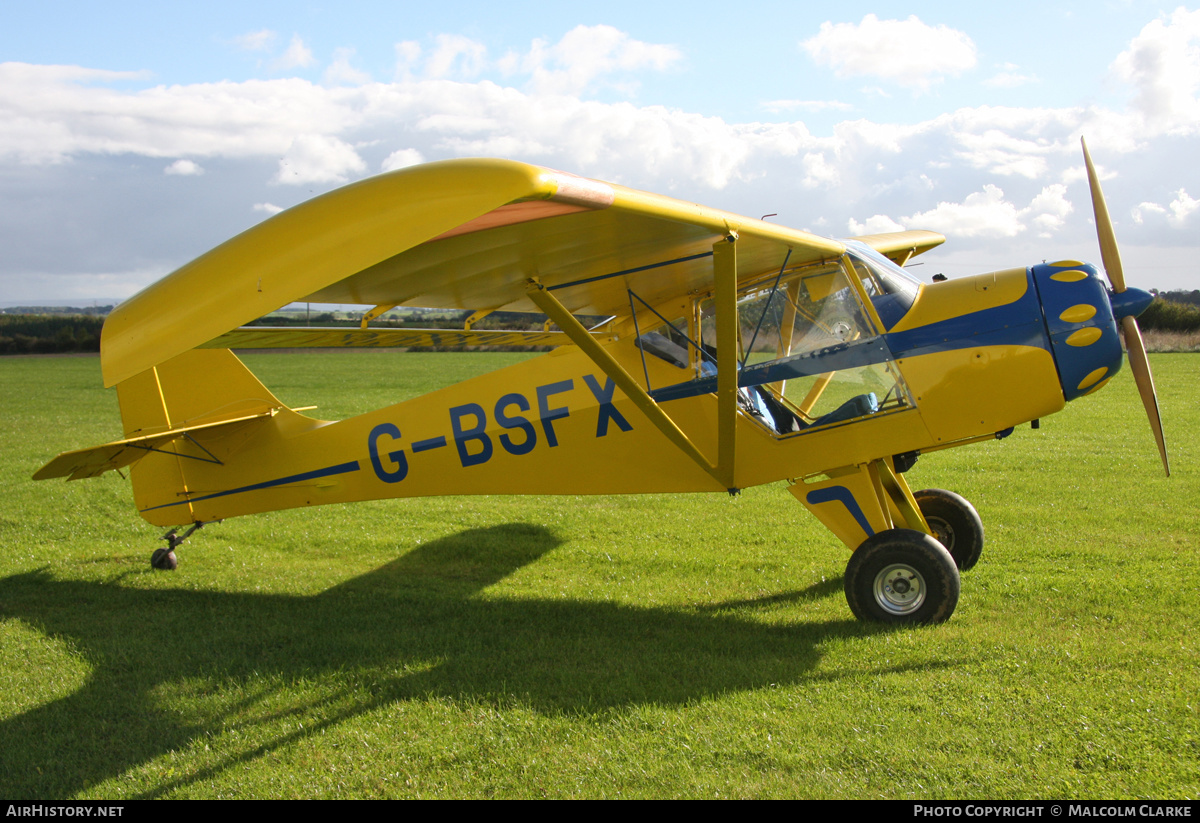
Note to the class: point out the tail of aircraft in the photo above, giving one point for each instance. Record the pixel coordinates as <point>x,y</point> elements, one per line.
<point>198,387</point>
<point>198,406</point>
<point>208,388</point>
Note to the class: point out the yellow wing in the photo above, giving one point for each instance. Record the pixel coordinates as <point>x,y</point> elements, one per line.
<point>899,246</point>
<point>462,234</point>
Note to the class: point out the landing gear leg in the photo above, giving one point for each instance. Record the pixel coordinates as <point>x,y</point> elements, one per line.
<point>164,559</point>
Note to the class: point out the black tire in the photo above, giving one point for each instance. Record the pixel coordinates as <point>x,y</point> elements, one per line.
<point>902,577</point>
<point>955,524</point>
<point>164,560</point>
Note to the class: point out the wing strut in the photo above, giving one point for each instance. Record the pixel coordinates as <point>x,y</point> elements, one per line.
<point>555,310</point>
<point>725,300</point>
<point>725,274</point>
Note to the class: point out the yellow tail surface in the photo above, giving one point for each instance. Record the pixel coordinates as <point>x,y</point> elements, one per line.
<point>206,404</point>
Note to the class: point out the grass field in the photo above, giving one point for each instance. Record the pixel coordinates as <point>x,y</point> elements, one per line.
<point>670,646</point>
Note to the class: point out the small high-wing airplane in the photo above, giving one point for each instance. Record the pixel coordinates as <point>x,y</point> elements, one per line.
<point>736,352</point>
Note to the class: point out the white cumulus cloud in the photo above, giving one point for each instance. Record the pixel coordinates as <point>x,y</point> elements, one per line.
<point>297,56</point>
<point>1008,77</point>
<point>457,56</point>
<point>1003,150</point>
<point>1049,210</point>
<point>777,106</point>
<point>586,53</point>
<point>341,73</point>
<point>1142,210</point>
<point>184,168</point>
<point>318,158</point>
<point>401,159</point>
<point>908,52</point>
<point>982,214</point>
<point>1181,208</point>
<point>944,173</point>
<point>1176,212</point>
<point>1163,65</point>
<point>262,40</point>
<point>408,55</point>
<point>878,224</point>
<point>987,214</point>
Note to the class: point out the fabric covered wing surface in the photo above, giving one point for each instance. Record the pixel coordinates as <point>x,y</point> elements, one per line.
<point>464,234</point>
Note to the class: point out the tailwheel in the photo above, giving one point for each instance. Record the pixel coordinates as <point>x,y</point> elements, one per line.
<point>902,577</point>
<point>955,524</point>
<point>164,559</point>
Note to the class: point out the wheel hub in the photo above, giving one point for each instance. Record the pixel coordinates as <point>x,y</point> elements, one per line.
<point>943,532</point>
<point>899,589</point>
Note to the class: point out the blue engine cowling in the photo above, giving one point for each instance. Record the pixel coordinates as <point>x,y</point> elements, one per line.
<point>1084,336</point>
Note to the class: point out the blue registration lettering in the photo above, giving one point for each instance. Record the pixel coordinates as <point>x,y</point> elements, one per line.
<point>463,436</point>
<point>387,476</point>
<point>549,415</point>
<point>607,410</point>
<point>515,422</point>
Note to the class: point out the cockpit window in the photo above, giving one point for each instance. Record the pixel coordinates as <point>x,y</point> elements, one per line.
<point>807,352</point>
<point>891,289</point>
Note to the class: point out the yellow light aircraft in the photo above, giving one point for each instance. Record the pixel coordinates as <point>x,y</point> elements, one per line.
<point>736,352</point>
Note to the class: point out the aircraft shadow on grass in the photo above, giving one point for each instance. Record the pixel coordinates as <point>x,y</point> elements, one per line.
<point>412,629</point>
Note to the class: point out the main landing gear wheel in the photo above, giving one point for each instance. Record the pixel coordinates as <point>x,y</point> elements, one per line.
<point>902,577</point>
<point>955,524</point>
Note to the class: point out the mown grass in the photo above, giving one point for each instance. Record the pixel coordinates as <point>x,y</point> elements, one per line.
<point>642,646</point>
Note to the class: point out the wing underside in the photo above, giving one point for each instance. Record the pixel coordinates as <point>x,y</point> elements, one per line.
<point>462,234</point>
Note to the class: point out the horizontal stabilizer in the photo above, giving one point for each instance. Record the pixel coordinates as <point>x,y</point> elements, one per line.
<point>297,337</point>
<point>93,462</point>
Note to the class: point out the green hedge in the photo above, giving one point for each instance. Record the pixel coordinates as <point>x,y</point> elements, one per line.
<point>1168,315</point>
<point>49,333</point>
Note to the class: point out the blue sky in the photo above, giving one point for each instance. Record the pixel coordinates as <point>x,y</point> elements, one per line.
<point>135,136</point>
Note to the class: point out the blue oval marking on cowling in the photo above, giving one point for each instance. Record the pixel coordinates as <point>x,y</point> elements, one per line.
<point>1074,363</point>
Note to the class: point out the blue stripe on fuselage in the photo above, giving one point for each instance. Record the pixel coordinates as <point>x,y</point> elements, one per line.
<point>341,468</point>
<point>1019,323</point>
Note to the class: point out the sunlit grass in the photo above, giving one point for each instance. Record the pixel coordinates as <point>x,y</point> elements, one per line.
<point>640,646</point>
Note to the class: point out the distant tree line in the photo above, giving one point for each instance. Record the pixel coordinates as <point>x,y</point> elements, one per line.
<point>51,330</point>
<point>98,311</point>
<point>49,333</point>
<point>1168,314</point>
<point>1179,296</point>
<point>33,331</point>
<point>411,319</point>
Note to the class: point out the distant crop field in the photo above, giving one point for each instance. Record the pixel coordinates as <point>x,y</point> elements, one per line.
<point>638,646</point>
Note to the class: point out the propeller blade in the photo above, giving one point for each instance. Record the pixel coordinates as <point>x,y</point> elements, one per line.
<point>1104,228</point>
<point>1140,366</point>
